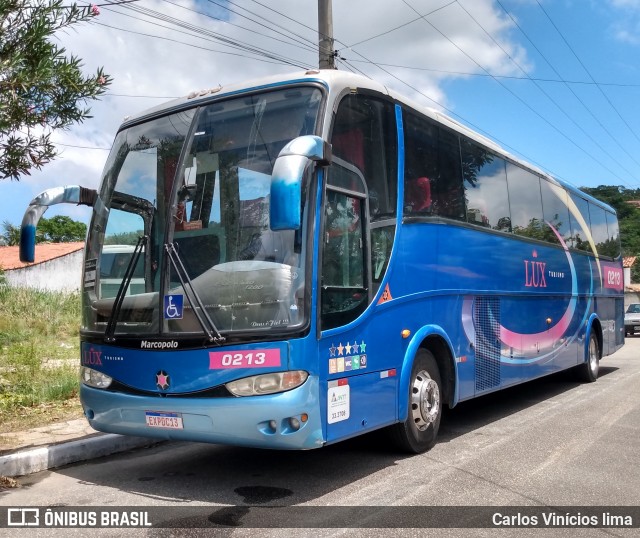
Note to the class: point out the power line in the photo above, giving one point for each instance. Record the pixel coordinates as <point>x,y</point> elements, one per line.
<point>566,83</point>
<point>233,43</point>
<point>252,49</point>
<point>514,94</point>
<point>115,3</point>
<point>286,31</point>
<point>436,102</point>
<point>81,147</point>
<point>188,44</point>
<point>587,70</point>
<point>203,34</point>
<point>479,129</point>
<point>562,110</point>
<point>285,16</point>
<point>505,77</point>
<point>110,94</point>
<point>315,46</point>
<point>401,26</point>
<point>253,31</point>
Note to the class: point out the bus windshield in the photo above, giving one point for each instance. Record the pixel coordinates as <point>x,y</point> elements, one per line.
<point>197,182</point>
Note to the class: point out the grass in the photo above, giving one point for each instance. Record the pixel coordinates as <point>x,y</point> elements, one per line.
<point>39,357</point>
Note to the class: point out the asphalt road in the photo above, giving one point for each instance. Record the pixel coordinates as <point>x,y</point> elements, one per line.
<point>549,444</point>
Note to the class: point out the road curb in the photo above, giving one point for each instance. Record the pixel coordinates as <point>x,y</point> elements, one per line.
<point>47,457</point>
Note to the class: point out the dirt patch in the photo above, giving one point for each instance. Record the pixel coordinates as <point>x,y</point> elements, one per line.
<point>41,415</point>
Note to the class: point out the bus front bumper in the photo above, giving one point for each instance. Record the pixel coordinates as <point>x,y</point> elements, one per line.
<point>288,420</point>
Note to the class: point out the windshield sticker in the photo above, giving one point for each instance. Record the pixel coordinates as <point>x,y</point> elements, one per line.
<point>386,295</point>
<point>338,401</point>
<point>90,270</point>
<point>254,358</point>
<point>173,306</point>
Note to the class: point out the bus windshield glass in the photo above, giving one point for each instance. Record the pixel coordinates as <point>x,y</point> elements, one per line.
<point>197,182</point>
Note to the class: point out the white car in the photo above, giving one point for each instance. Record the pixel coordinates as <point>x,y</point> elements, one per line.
<point>113,265</point>
<point>632,319</point>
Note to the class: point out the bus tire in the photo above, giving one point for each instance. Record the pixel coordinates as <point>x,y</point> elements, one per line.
<point>588,371</point>
<point>418,432</point>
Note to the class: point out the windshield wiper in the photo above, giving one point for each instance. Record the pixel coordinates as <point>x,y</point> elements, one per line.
<point>199,310</point>
<point>122,290</point>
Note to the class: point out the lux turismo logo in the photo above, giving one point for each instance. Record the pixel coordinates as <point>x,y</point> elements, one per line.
<point>534,273</point>
<point>92,357</point>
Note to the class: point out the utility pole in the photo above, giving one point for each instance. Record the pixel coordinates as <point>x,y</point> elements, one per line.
<point>325,35</point>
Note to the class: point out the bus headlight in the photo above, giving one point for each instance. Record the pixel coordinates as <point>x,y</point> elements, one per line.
<point>93,378</point>
<point>267,383</point>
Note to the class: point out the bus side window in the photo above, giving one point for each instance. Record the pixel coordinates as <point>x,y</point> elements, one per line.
<point>381,244</point>
<point>556,213</point>
<point>433,170</point>
<point>613,244</point>
<point>525,202</point>
<point>599,229</point>
<point>342,263</point>
<point>581,224</point>
<point>418,196</point>
<point>485,184</point>
<point>364,135</point>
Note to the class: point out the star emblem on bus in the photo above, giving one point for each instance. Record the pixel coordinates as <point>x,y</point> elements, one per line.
<point>162,380</point>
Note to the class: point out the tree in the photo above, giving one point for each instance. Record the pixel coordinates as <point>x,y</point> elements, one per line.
<point>60,229</point>
<point>11,235</point>
<point>41,89</point>
<point>622,200</point>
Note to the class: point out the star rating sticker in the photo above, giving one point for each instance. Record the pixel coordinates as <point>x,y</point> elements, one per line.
<point>340,349</point>
<point>355,347</point>
<point>332,351</point>
<point>363,347</point>
<point>348,348</point>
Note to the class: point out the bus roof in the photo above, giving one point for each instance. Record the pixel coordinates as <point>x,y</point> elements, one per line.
<point>335,81</point>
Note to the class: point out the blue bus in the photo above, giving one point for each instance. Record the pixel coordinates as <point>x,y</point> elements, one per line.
<point>312,257</point>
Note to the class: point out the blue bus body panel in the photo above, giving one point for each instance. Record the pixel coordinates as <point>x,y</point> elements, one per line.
<point>237,421</point>
<point>359,403</point>
<point>509,311</point>
<point>234,420</point>
<point>189,370</point>
<point>480,299</point>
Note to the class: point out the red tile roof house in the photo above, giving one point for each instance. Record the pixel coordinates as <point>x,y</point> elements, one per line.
<point>57,267</point>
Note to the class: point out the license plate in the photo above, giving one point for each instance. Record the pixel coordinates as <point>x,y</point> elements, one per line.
<point>164,419</point>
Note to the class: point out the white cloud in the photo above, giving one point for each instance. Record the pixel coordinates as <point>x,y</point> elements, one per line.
<point>436,43</point>
<point>625,35</point>
<point>149,66</point>
<point>627,28</point>
<point>630,4</point>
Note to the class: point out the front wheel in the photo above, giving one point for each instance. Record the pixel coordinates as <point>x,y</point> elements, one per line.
<point>418,432</point>
<point>588,371</point>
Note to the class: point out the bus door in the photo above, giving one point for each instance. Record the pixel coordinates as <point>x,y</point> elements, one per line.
<point>359,222</point>
<point>357,399</point>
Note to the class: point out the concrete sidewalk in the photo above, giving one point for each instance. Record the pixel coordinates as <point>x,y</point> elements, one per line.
<point>58,444</point>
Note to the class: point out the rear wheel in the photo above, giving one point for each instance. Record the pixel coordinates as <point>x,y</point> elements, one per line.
<point>418,432</point>
<point>588,371</point>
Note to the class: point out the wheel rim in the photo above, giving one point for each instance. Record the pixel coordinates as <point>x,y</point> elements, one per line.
<point>593,356</point>
<point>425,400</point>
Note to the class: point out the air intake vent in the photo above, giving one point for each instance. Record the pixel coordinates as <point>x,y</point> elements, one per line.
<point>486,318</point>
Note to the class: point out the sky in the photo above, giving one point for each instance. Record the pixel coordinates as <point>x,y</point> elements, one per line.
<point>554,82</point>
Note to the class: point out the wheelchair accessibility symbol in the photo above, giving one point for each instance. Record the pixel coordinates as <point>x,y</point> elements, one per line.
<point>173,306</point>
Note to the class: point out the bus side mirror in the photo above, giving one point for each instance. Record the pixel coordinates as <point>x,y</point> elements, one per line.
<point>286,179</point>
<point>70,194</point>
